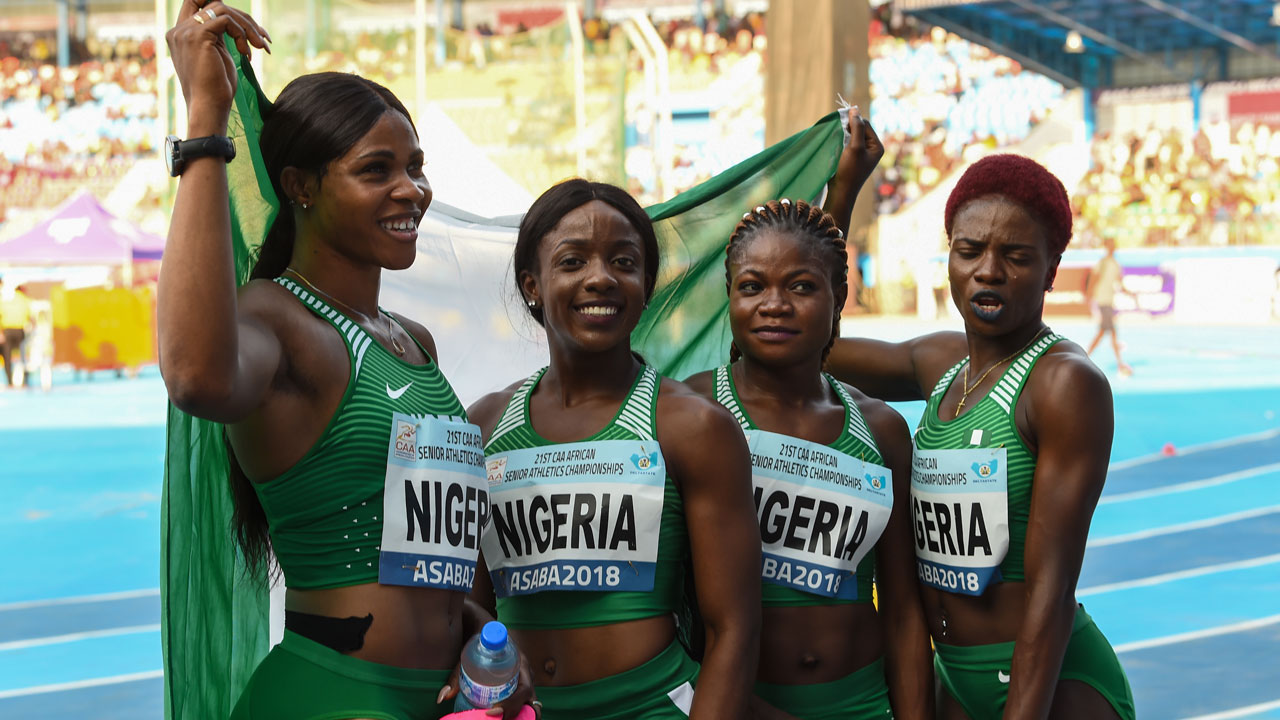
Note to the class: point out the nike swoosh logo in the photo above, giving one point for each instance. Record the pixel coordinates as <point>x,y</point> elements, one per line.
<point>395,394</point>
<point>1002,677</point>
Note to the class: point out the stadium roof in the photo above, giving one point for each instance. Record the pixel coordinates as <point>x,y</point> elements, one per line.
<point>1126,43</point>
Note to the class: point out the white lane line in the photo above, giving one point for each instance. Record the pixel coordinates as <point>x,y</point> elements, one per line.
<point>95,682</point>
<point>73,637</point>
<point>81,599</point>
<point>1191,485</point>
<point>1198,634</point>
<point>1183,527</point>
<point>1239,712</point>
<point>1179,575</point>
<point>1191,449</point>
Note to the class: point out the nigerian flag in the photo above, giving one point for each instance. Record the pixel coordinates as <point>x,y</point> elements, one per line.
<point>215,619</point>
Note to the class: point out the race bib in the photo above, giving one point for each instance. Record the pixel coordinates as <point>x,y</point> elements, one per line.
<point>434,504</point>
<point>821,511</point>
<point>578,516</point>
<point>960,510</point>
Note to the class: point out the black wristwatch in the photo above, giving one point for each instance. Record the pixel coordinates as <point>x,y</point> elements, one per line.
<point>178,152</point>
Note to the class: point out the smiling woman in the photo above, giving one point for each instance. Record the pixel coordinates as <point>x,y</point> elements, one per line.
<point>336,413</point>
<point>607,481</point>
<point>1004,484</point>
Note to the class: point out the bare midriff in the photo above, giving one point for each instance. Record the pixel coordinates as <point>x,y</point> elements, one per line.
<point>993,617</point>
<point>817,644</point>
<point>571,656</point>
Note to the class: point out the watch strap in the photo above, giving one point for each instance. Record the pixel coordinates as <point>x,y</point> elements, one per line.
<point>208,146</point>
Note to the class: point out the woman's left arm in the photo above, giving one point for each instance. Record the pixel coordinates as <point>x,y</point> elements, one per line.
<point>707,455</point>
<point>1071,420</point>
<point>857,161</point>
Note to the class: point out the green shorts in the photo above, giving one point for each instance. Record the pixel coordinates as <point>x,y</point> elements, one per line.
<point>860,695</point>
<point>301,678</point>
<point>661,688</point>
<point>978,676</point>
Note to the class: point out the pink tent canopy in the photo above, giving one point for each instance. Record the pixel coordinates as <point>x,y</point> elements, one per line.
<point>81,232</point>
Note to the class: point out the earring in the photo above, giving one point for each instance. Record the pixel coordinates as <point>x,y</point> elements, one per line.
<point>533,304</point>
<point>305,205</point>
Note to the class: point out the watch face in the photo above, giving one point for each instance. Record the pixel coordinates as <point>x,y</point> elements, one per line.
<point>171,154</point>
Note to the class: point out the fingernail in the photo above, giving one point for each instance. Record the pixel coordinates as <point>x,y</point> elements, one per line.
<point>440,696</point>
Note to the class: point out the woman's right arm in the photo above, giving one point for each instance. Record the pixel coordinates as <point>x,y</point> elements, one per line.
<point>895,371</point>
<point>217,358</point>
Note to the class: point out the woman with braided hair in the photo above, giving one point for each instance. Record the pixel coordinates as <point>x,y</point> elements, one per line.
<point>830,472</point>
<point>1009,460</point>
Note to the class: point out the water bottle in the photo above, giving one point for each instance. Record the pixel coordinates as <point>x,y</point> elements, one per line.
<point>490,669</point>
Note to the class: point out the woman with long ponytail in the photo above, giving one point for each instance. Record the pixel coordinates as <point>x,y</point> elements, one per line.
<point>336,412</point>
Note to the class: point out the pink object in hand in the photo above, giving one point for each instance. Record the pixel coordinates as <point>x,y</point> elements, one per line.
<point>526,713</point>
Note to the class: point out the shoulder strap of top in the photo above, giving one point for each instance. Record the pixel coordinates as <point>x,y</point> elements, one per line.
<point>944,382</point>
<point>1005,393</point>
<point>357,340</point>
<point>857,425</point>
<point>514,415</point>
<point>728,398</point>
<point>639,413</point>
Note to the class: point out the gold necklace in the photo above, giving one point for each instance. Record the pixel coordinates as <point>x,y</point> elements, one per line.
<point>391,333</point>
<point>964,385</point>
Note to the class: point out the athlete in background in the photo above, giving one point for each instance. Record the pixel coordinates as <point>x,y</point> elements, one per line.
<point>1104,281</point>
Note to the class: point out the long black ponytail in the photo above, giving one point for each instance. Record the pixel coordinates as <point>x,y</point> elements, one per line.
<point>315,120</point>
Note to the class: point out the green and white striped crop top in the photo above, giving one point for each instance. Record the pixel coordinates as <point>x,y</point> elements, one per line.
<point>324,512</point>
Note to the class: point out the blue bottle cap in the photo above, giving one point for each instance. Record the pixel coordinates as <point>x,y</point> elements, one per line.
<point>493,635</point>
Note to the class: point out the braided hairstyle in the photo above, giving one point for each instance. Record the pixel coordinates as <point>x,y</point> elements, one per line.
<point>802,220</point>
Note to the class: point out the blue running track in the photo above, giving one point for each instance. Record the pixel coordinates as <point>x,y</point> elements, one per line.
<point>1182,571</point>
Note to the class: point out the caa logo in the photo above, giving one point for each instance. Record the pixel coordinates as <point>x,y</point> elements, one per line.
<point>496,471</point>
<point>644,462</point>
<point>876,481</point>
<point>406,440</point>
<point>986,470</point>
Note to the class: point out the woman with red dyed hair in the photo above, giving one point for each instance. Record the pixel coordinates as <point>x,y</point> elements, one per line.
<point>1009,460</point>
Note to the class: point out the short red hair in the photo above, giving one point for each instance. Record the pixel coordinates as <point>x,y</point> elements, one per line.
<point>1023,181</point>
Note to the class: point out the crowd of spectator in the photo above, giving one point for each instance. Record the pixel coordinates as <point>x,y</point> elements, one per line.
<point>1218,187</point>
<point>717,85</point>
<point>935,96</point>
<point>936,99</point>
<point>64,129</point>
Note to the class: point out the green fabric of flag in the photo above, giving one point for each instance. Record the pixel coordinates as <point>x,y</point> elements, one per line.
<point>214,626</point>
<point>686,328</point>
